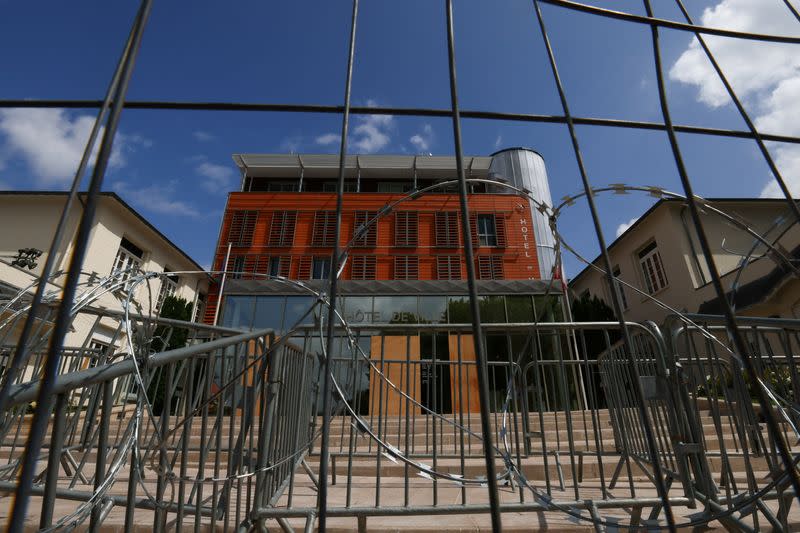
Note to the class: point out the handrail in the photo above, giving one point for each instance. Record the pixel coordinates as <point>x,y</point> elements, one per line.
<point>27,392</point>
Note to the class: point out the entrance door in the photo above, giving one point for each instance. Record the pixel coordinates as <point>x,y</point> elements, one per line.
<point>400,366</point>
<point>464,390</point>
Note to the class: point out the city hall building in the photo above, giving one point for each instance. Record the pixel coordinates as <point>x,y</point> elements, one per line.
<point>406,268</point>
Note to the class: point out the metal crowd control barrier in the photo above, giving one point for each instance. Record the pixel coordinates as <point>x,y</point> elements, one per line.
<point>229,438</point>
<point>741,452</point>
<point>190,454</point>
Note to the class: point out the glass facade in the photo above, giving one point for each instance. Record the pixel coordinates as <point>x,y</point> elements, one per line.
<point>440,386</point>
<point>283,312</point>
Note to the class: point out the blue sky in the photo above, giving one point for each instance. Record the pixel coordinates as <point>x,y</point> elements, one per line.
<point>175,167</point>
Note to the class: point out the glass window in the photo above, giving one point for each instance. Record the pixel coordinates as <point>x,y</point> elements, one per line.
<point>238,312</point>
<point>396,309</point>
<point>127,261</point>
<point>274,266</point>
<point>269,313</point>
<point>296,307</point>
<point>332,186</point>
<point>487,232</point>
<point>492,309</point>
<point>169,285</point>
<point>548,308</point>
<point>620,288</point>
<point>432,310</point>
<point>395,186</point>
<point>652,268</point>
<point>458,310</point>
<point>199,307</point>
<point>520,309</point>
<point>358,310</point>
<point>321,268</point>
<point>238,267</point>
<point>282,186</point>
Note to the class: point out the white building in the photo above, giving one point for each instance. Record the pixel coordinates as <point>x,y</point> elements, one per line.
<point>120,238</point>
<point>661,256</point>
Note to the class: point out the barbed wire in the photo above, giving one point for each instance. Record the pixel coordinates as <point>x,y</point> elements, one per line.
<point>132,279</point>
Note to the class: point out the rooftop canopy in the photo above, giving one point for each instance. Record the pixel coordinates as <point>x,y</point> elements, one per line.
<point>367,166</point>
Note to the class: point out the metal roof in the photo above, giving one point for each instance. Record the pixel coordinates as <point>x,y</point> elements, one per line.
<point>369,166</point>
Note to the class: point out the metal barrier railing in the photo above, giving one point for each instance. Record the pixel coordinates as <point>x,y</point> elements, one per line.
<point>228,436</point>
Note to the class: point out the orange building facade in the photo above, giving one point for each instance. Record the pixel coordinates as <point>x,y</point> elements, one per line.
<point>402,233</point>
<point>282,222</point>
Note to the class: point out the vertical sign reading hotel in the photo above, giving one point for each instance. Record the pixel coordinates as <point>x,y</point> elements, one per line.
<point>523,227</point>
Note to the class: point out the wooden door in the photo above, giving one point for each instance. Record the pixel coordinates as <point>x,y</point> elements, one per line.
<point>401,367</point>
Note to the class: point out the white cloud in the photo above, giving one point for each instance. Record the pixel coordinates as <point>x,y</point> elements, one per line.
<point>155,199</point>
<point>328,138</point>
<point>291,144</point>
<point>51,142</point>
<point>750,66</point>
<point>371,132</point>
<point>218,177</point>
<point>766,76</point>
<point>498,142</point>
<point>422,141</point>
<point>622,228</point>
<point>203,136</point>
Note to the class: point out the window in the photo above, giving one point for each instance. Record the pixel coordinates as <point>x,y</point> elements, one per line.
<point>281,230</point>
<point>620,288</point>
<point>652,268</point>
<point>321,268</point>
<point>199,307</point>
<point>128,261</point>
<point>236,266</point>
<point>332,186</point>
<point>488,229</point>
<point>366,237</point>
<point>169,284</point>
<point>279,266</point>
<point>405,228</point>
<point>487,233</point>
<point>490,267</point>
<point>324,228</point>
<point>99,350</point>
<point>247,266</point>
<point>448,267</point>
<point>446,224</point>
<point>406,267</point>
<point>363,267</point>
<point>242,227</point>
<point>282,186</point>
<point>395,187</point>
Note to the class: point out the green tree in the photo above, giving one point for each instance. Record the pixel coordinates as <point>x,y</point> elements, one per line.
<point>168,338</point>
<point>589,308</point>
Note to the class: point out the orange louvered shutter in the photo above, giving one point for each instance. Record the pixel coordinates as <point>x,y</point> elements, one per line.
<point>473,228</point>
<point>448,267</point>
<point>242,227</point>
<point>406,228</point>
<point>304,271</point>
<point>363,267</point>
<point>281,230</point>
<point>365,236</point>
<point>446,229</point>
<point>490,267</point>
<point>324,228</point>
<point>406,267</point>
<point>500,228</point>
